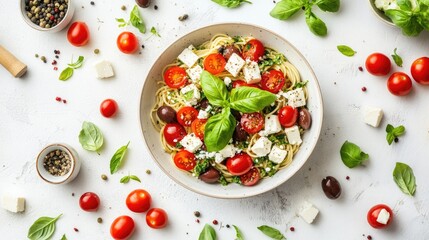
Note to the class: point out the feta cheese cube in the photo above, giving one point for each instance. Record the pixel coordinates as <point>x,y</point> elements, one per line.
<point>293,135</point>
<point>104,70</point>
<point>235,64</point>
<point>383,216</point>
<point>272,125</point>
<point>296,98</point>
<point>188,57</point>
<point>228,151</point>
<point>373,116</point>
<point>13,204</point>
<point>195,73</point>
<point>227,81</point>
<point>277,155</point>
<point>191,93</point>
<point>261,147</point>
<point>191,143</point>
<point>308,212</point>
<point>251,72</point>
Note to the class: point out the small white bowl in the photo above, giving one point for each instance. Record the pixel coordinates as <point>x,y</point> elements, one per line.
<point>75,164</point>
<point>60,26</point>
<point>380,14</point>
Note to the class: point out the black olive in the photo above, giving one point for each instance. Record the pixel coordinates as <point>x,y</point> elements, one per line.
<point>203,104</point>
<point>331,187</point>
<point>236,115</point>
<point>229,50</point>
<point>143,3</point>
<point>210,176</point>
<point>239,134</point>
<point>304,119</point>
<point>166,114</point>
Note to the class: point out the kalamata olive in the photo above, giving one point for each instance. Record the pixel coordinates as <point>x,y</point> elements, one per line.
<point>229,50</point>
<point>331,187</point>
<point>210,176</point>
<point>143,3</point>
<point>239,134</point>
<point>203,104</point>
<point>236,115</point>
<point>304,119</point>
<point>166,114</point>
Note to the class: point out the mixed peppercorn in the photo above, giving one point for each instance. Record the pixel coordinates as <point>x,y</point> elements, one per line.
<point>46,13</point>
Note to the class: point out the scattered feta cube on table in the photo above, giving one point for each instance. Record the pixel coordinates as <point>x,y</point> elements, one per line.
<point>235,64</point>
<point>277,155</point>
<point>188,57</point>
<point>104,70</point>
<point>195,73</point>
<point>13,204</point>
<point>383,216</point>
<point>262,146</point>
<point>295,98</point>
<point>192,94</point>
<point>293,135</point>
<point>272,125</point>
<point>308,212</point>
<point>373,116</point>
<point>251,72</point>
<point>191,143</point>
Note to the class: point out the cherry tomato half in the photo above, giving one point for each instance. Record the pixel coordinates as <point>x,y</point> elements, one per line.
<point>185,160</point>
<point>198,126</point>
<point>288,116</point>
<point>420,70</point>
<point>251,177</point>
<point>108,108</point>
<point>156,218</point>
<point>173,133</point>
<point>378,64</point>
<point>373,214</point>
<point>138,201</point>
<point>214,63</point>
<point>399,84</point>
<point>241,83</point>
<point>253,50</point>
<point>273,81</point>
<point>78,34</point>
<point>252,122</point>
<point>175,77</point>
<point>186,115</point>
<point>122,228</point>
<point>239,164</point>
<point>127,42</point>
<point>89,202</point>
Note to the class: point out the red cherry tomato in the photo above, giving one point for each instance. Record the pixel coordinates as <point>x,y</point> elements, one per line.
<point>251,177</point>
<point>273,81</point>
<point>78,34</point>
<point>89,202</point>
<point>252,122</point>
<point>288,116</point>
<point>173,133</point>
<point>420,70</point>
<point>186,115</point>
<point>198,126</point>
<point>185,160</point>
<point>127,42</point>
<point>241,83</point>
<point>239,164</point>
<point>138,201</point>
<point>214,63</point>
<point>253,50</point>
<point>378,64</point>
<point>108,108</point>
<point>373,215</point>
<point>399,84</point>
<point>122,228</point>
<point>156,218</point>
<point>175,77</point>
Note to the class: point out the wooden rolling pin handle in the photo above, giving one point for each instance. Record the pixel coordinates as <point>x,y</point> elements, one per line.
<point>11,63</point>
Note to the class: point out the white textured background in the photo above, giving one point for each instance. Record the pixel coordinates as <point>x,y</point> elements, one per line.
<point>30,118</point>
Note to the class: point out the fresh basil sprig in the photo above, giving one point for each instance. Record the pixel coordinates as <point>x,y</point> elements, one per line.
<point>208,233</point>
<point>404,177</point>
<point>231,3</point>
<point>135,20</point>
<point>346,50</point>
<point>271,232</point>
<point>239,234</point>
<point>411,21</point>
<point>127,178</point>
<point>68,72</point>
<point>64,237</point>
<point>90,137</point>
<point>155,32</point>
<point>117,158</point>
<point>397,58</point>
<point>352,155</point>
<point>43,228</point>
<point>393,133</point>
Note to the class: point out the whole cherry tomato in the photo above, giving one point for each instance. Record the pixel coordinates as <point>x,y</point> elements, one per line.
<point>138,201</point>
<point>239,164</point>
<point>420,70</point>
<point>173,133</point>
<point>78,34</point>
<point>127,42</point>
<point>288,116</point>
<point>108,108</point>
<point>156,218</point>
<point>399,84</point>
<point>122,228</point>
<point>89,202</point>
<point>378,64</point>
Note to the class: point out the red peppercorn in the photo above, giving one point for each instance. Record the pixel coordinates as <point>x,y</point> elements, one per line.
<point>348,178</point>
<point>52,18</point>
<point>76,230</point>
<point>215,222</point>
<point>369,237</point>
<point>58,99</point>
<point>64,101</point>
<point>55,68</point>
<point>292,229</point>
<point>363,89</point>
<point>54,62</point>
<point>197,220</point>
<point>361,69</point>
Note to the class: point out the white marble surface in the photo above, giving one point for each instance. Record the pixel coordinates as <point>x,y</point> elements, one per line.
<point>31,119</point>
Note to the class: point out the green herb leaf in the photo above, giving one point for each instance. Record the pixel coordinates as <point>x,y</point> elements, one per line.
<point>406,20</point>
<point>346,50</point>
<point>394,132</point>
<point>135,178</point>
<point>250,99</point>
<point>218,130</point>
<point>201,167</point>
<point>299,84</point>
<point>214,89</point>
<point>66,74</point>
<point>316,25</point>
<point>154,32</point>
<point>271,232</point>
<point>43,228</point>
<point>136,20</point>
<point>64,237</point>
<point>78,63</point>
<point>90,137</point>
<point>397,58</point>
<point>239,234</point>
<point>404,4</point>
<point>117,158</point>
<point>125,179</point>
<point>208,233</point>
<point>351,155</point>
<point>286,9</point>
<point>329,5</point>
<point>121,22</point>
<point>404,177</point>
<point>231,3</point>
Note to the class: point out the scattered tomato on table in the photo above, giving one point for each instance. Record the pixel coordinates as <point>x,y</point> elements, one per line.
<point>109,108</point>
<point>122,228</point>
<point>399,84</point>
<point>156,218</point>
<point>420,70</point>
<point>127,42</point>
<point>138,201</point>
<point>378,64</point>
<point>89,202</point>
<point>78,34</point>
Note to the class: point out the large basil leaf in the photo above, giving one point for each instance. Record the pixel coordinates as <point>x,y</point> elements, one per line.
<point>406,21</point>
<point>43,228</point>
<point>286,8</point>
<point>404,177</point>
<point>271,232</point>
<point>316,25</point>
<point>90,137</point>
<point>329,5</point>
<point>117,158</point>
<point>352,155</point>
<point>249,99</point>
<point>214,89</point>
<point>208,233</point>
<point>218,130</point>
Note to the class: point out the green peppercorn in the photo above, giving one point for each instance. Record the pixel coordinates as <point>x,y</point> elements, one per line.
<point>123,8</point>
<point>99,220</point>
<point>96,51</point>
<point>148,171</point>
<point>36,55</point>
<point>104,177</point>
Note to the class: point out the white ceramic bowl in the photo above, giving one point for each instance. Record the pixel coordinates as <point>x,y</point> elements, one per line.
<point>75,164</point>
<point>380,14</point>
<point>196,37</point>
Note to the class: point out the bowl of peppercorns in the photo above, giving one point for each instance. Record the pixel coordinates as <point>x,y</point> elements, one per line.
<point>47,15</point>
<point>58,163</point>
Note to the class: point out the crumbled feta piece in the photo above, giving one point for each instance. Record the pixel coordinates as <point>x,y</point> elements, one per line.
<point>203,155</point>
<point>219,158</point>
<point>227,81</point>
<point>261,147</point>
<point>228,151</point>
<point>104,70</point>
<point>295,98</point>
<point>383,216</point>
<point>373,116</point>
<point>251,72</point>
<point>195,73</point>
<point>203,114</point>
<point>191,47</point>
<point>235,64</point>
<point>277,155</point>
<point>191,143</point>
<point>272,125</point>
<point>188,57</point>
<point>308,212</point>
<point>293,135</point>
<point>13,204</point>
<point>192,94</point>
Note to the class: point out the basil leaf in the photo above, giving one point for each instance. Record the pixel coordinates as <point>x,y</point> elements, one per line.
<point>117,158</point>
<point>346,50</point>
<point>121,22</point>
<point>78,63</point>
<point>214,89</point>
<point>406,21</point>
<point>404,177</point>
<point>64,237</point>
<point>125,179</point>
<point>218,130</point>
<point>389,128</point>
<point>398,131</point>
<point>135,178</point>
<point>393,132</point>
<point>201,167</point>
<point>425,2</point>
<point>239,234</point>
<point>90,137</point>
<point>397,58</point>
<point>351,155</point>
<point>271,232</point>
<point>404,4</point>
<point>208,233</point>
<point>136,20</point>
<point>286,8</point>
<point>43,228</point>
<point>316,26</point>
<point>329,5</point>
<point>250,99</point>
<point>154,32</point>
<point>66,74</point>
<point>231,3</point>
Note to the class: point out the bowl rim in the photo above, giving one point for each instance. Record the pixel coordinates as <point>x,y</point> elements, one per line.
<point>379,14</point>
<point>310,147</point>
<point>65,148</point>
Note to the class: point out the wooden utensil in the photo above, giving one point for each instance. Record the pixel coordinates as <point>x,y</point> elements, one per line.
<point>11,63</point>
